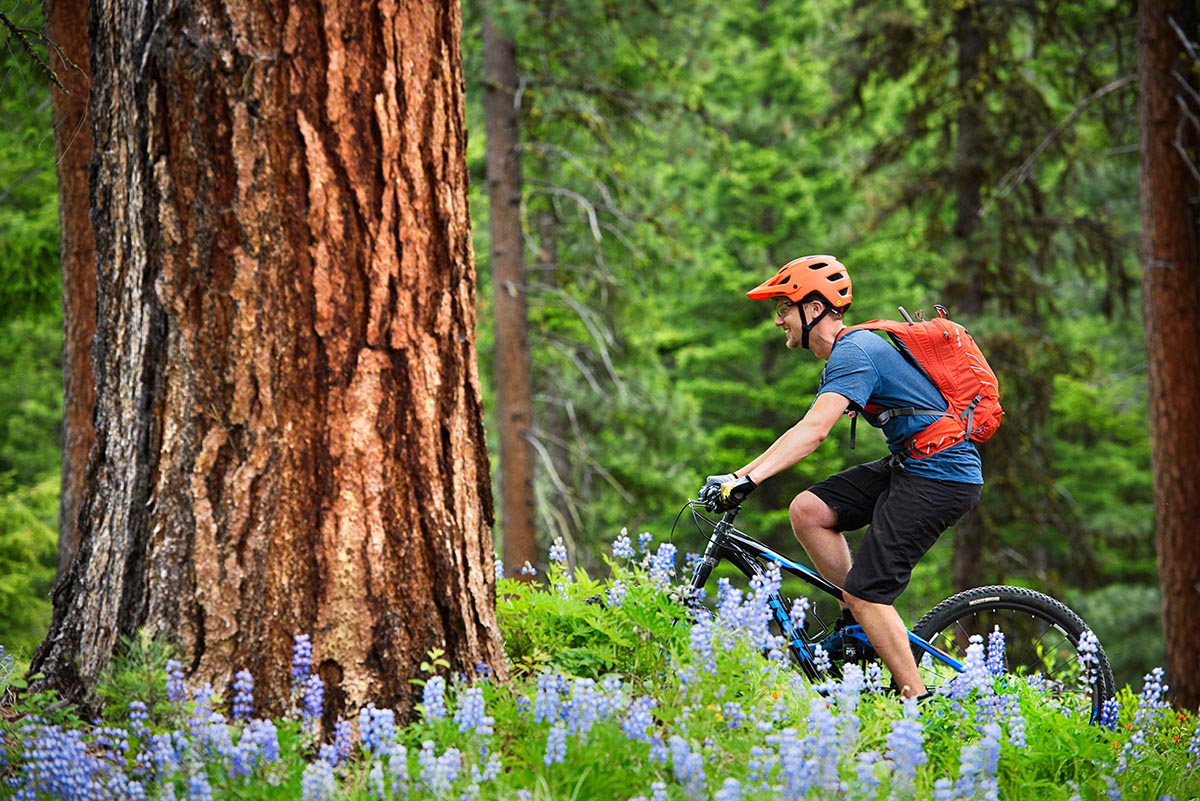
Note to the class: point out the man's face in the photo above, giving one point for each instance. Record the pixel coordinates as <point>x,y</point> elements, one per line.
<point>787,317</point>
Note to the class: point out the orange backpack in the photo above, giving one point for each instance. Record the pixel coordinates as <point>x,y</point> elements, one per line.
<point>947,355</point>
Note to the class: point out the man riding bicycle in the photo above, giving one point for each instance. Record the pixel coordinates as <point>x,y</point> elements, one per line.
<point>907,502</point>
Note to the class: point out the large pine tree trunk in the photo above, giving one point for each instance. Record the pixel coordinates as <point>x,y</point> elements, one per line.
<point>514,394</point>
<point>66,25</point>
<point>289,433</point>
<point>1171,283</point>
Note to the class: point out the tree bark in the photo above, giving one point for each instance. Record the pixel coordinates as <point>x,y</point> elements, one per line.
<point>66,25</point>
<point>289,431</point>
<point>1171,284</point>
<point>514,393</point>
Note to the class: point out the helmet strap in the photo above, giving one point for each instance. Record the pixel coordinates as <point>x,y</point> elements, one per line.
<point>806,325</point>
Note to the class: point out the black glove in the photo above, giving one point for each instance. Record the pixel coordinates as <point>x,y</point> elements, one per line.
<point>730,494</point>
<point>712,486</point>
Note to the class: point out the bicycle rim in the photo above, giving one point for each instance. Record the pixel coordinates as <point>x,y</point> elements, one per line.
<point>1041,644</point>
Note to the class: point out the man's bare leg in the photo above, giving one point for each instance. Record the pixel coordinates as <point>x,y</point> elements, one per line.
<point>812,522</point>
<point>889,638</point>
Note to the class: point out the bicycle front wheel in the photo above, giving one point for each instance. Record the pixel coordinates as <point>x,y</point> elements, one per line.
<point>1041,643</point>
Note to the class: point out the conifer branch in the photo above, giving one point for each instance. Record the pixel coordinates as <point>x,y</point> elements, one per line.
<point>22,35</point>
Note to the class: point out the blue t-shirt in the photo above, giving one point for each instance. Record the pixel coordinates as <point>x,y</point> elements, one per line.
<point>866,368</point>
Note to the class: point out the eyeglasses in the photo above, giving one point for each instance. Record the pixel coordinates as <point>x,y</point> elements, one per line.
<point>783,306</point>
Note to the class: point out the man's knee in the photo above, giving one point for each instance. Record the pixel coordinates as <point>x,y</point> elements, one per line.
<point>854,603</point>
<point>809,513</point>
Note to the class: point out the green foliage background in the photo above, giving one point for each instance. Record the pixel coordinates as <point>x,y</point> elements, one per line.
<point>674,154</point>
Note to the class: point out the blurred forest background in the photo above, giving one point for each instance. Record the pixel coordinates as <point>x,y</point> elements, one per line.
<point>673,155</point>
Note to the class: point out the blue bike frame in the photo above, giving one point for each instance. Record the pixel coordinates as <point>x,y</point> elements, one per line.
<point>747,554</point>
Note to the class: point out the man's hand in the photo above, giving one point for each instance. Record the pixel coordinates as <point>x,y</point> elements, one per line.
<point>729,493</point>
<point>712,486</point>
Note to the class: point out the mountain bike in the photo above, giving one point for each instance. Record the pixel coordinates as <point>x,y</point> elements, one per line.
<point>1043,638</point>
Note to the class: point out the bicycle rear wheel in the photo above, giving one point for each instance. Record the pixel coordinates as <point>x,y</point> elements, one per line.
<point>1041,639</point>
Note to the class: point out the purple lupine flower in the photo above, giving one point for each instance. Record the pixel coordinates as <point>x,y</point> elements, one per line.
<point>975,675</point>
<point>433,699</point>
<point>499,567</point>
<point>57,765</point>
<point>583,709</point>
<point>612,696</point>
<point>528,570</point>
<point>547,705</point>
<point>734,715</point>
<point>376,729</point>
<point>758,616</point>
<point>796,769</point>
<point>158,758</point>
<point>701,640</point>
<point>874,678</point>
<point>198,788</point>
<point>471,715</point>
<point>688,767</point>
<point>265,737</point>
<point>821,660</point>
<point>439,773</point>
<point>1110,713</point>
<point>318,782</point>
<point>213,734</point>
<point>978,763</point>
<point>558,551</point>
<point>176,691</point>
<point>729,605</point>
<point>556,745</point>
<point>864,772</point>
<point>644,540</point>
<point>622,548</point>
<point>995,652</point>
<point>1194,749</point>
<point>1089,658</point>
<point>662,565</point>
<point>302,659</point>
<point>943,790</point>
<point>314,697</point>
<point>343,741</point>
<point>139,716</point>
<point>848,694</point>
<point>490,770</point>
<point>1014,721</point>
<point>243,695</point>
<point>906,745</point>
<point>639,722</point>
<point>759,765</point>
<point>398,769</point>
<point>1150,706</point>
<point>799,612</point>
<point>616,593</point>
<point>731,790</point>
<point>824,746</point>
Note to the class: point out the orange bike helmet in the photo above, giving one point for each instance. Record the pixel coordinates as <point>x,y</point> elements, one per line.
<point>799,278</point>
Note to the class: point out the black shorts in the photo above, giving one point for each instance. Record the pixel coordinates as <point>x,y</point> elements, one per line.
<point>906,515</point>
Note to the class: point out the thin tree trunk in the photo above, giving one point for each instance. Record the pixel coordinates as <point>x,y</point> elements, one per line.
<point>1171,283</point>
<point>289,433</point>
<point>965,295</point>
<point>66,25</point>
<point>514,393</point>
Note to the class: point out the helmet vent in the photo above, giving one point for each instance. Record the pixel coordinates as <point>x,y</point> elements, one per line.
<point>818,266</point>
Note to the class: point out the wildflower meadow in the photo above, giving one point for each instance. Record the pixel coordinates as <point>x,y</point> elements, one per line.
<point>618,693</point>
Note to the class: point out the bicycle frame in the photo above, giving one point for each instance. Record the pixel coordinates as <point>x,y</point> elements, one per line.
<point>747,554</point>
